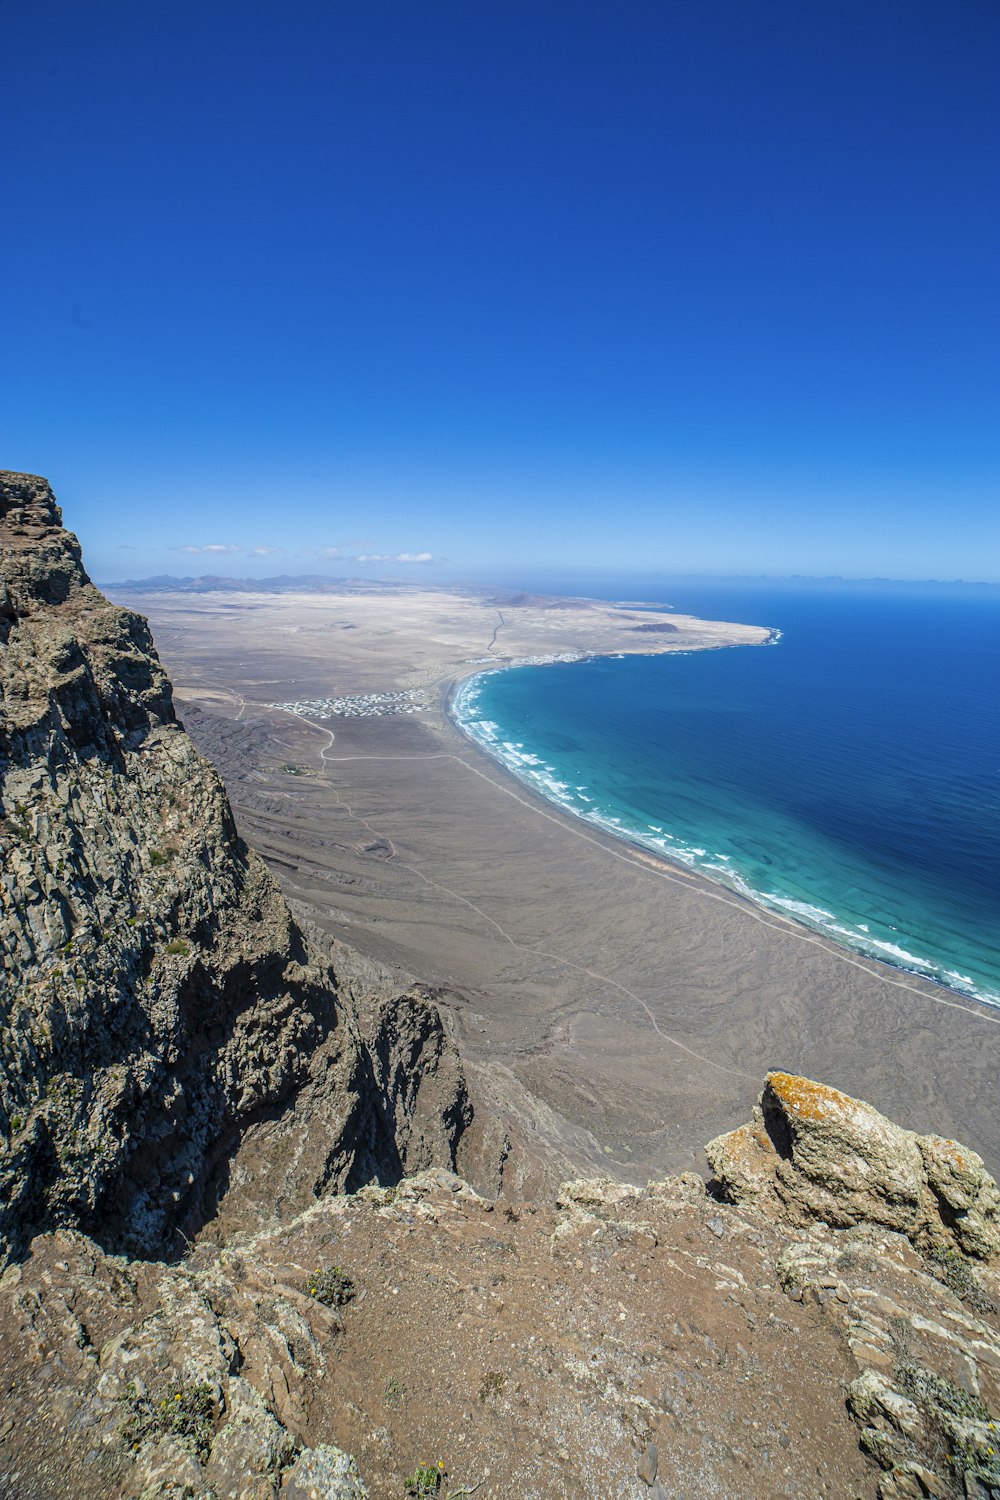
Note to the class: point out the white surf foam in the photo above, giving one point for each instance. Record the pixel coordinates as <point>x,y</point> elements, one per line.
<point>545,779</point>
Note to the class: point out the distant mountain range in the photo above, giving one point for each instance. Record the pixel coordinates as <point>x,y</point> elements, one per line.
<point>211,583</point>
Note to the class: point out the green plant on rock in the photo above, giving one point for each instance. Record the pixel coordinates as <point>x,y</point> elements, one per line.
<point>951,1267</point>
<point>939,1394</point>
<point>178,948</point>
<point>332,1286</point>
<point>963,1422</point>
<point>426,1480</point>
<point>185,1411</point>
<point>976,1455</point>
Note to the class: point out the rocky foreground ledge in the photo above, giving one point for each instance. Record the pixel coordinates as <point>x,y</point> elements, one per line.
<point>616,1342</point>
<point>195,1306</point>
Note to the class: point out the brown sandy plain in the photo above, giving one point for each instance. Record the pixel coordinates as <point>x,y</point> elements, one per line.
<point>620,1009</point>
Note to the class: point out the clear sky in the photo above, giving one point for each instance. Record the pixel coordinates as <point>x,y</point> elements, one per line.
<point>552,284</point>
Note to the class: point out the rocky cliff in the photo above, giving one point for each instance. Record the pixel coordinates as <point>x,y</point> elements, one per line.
<point>158,1004</point>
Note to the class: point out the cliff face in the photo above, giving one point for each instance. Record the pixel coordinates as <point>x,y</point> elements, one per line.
<point>157,1001</point>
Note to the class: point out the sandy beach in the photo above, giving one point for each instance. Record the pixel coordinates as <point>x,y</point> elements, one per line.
<point>625,1008</point>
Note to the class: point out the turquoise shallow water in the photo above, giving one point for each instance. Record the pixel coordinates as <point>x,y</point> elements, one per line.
<point>848,775</point>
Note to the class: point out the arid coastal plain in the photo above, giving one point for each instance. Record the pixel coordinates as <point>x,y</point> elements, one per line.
<point>622,1010</point>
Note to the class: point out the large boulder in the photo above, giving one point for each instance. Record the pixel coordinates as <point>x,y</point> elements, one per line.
<point>813,1153</point>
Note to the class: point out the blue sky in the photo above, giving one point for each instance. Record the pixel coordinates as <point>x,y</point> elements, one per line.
<point>549,286</point>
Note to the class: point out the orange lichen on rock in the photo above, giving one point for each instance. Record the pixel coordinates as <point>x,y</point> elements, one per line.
<point>809,1100</point>
<point>812,1153</point>
<point>950,1151</point>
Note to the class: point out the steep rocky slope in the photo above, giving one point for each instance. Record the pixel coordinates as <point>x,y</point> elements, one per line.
<point>157,1001</point>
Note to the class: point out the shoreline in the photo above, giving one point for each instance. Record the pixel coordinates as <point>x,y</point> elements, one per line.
<point>621,1006</point>
<point>839,941</point>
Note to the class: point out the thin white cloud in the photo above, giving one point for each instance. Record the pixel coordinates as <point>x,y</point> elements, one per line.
<point>326,554</point>
<point>226,549</point>
<point>212,548</point>
<point>394,557</point>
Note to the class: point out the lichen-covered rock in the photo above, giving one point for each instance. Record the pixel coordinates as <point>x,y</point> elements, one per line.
<point>963,1195</point>
<point>156,999</point>
<point>323,1473</point>
<point>249,1454</point>
<point>813,1153</point>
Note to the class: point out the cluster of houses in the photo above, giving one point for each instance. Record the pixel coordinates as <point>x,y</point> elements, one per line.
<point>361,706</point>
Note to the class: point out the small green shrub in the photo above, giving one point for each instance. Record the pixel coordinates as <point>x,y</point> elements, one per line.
<point>951,1267</point>
<point>177,947</point>
<point>186,1412</point>
<point>333,1287</point>
<point>157,858</point>
<point>425,1480</point>
<point>939,1394</point>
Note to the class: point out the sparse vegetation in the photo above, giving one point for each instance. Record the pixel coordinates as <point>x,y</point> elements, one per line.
<point>961,1421</point>
<point>938,1394</point>
<point>157,858</point>
<point>951,1267</point>
<point>186,1412</point>
<point>493,1383</point>
<point>178,948</point>
<point>425,1480</point>
<point>332,1286</point>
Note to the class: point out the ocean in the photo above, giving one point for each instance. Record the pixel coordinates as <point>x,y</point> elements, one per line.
<point>847,775</point>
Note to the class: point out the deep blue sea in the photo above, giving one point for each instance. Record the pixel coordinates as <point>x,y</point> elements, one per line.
<point>848,775</point>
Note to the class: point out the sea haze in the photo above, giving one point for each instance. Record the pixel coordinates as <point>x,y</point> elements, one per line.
<point>848,775</point>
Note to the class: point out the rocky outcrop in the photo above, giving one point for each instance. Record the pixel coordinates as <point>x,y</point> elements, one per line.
<point>811,1153</point>
<point>642,1343</point>
<point>157,1000</point>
